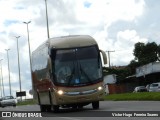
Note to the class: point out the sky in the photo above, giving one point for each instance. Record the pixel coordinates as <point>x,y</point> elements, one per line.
<point>116,25</point>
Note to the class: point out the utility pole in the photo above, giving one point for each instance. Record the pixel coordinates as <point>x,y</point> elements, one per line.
<point>47,19</point>
<point>18,63</point>
<point>2,77</point>
<point>29,48</point>
<point>27,23</point>
<point>1,83</point>
<point>9,72</point>
<point>109,57</point>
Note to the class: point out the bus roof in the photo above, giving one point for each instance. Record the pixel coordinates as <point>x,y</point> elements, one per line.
<point>72,41</point>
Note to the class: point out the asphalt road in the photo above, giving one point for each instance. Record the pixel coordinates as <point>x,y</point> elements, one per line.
<point>108,111</point>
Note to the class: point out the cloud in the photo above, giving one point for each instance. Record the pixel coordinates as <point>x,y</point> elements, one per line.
<point>124,46</point>
<point>126,10</point>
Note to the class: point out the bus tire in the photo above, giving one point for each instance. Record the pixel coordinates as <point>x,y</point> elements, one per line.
<point>43,108</point>
<point>55,108</point>
<point>48,108</point>
<point>74,107</point>
<point>80,107</point>
<point>95,105</point>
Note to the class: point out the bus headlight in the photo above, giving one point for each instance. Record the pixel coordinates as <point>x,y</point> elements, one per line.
<point>100,88</point>
<point>60,92</point>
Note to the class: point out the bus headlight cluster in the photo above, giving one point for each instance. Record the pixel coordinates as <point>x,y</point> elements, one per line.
<point>100,88</point>
<point>60,92</point>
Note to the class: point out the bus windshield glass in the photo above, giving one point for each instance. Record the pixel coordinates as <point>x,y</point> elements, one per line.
<point>77,67</point>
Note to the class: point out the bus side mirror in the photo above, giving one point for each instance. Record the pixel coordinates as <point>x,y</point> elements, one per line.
<point>104,56</point>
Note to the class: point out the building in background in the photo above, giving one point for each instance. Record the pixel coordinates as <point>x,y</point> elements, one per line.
<point>148,73</point>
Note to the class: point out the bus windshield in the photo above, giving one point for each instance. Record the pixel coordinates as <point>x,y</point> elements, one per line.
<point>77,67</point>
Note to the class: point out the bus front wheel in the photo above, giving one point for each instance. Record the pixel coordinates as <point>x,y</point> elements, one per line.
<point>55,108</point>
<point>95,105</point>
<point>43,108</point>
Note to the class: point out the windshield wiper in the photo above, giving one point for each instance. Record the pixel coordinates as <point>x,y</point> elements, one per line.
<point>71,76</point>
<point>82,71</point>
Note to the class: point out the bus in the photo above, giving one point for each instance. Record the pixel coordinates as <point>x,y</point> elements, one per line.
<point>67,73</point>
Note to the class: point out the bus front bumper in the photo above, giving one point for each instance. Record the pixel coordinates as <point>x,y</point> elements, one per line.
<point>64,99</point>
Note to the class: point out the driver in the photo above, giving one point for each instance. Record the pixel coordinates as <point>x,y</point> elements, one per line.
<point>61,78</point>
<point>63,72</point>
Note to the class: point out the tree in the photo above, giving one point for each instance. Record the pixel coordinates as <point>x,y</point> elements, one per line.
<point>145,54</point>
<point>138,51</point>
<point>133,65</point>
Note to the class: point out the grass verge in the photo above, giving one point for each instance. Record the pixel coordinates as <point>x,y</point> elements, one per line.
<point>141,96</point>
<point>26,102</point>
